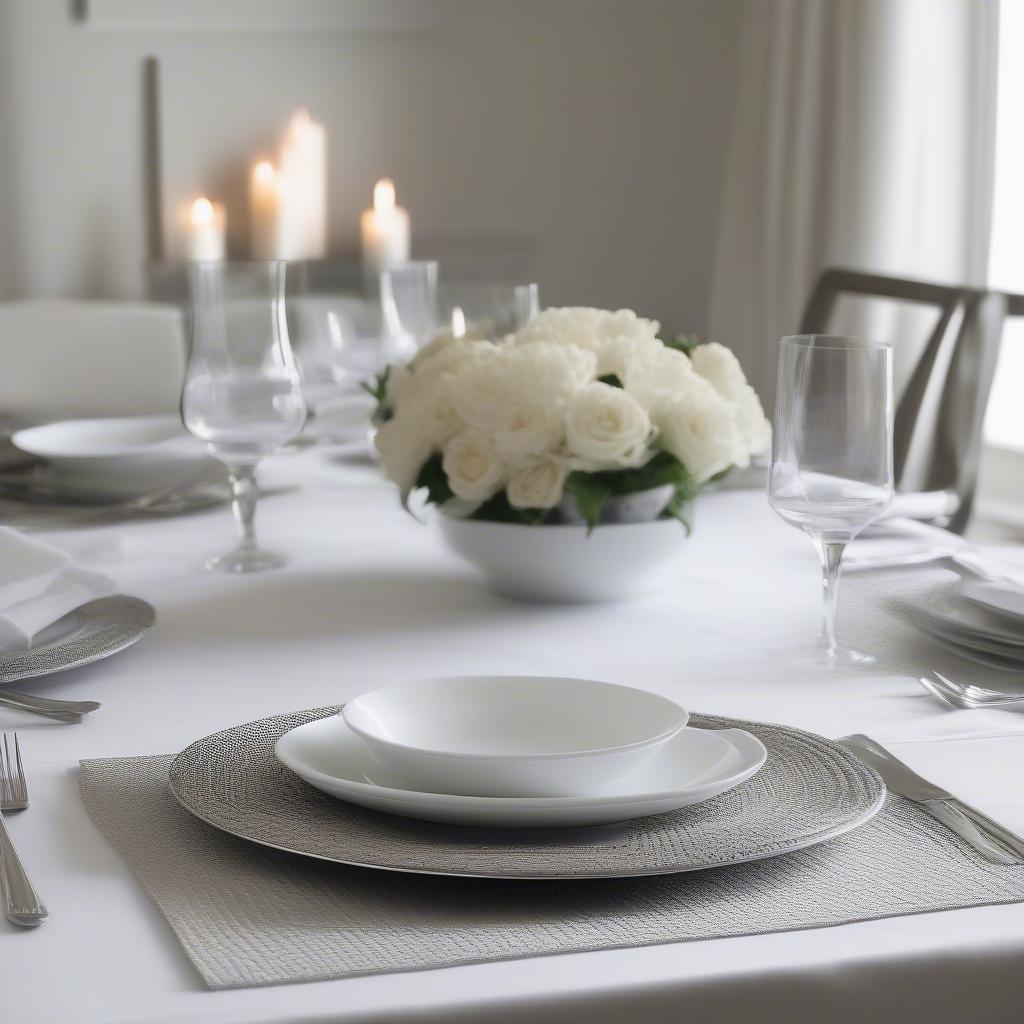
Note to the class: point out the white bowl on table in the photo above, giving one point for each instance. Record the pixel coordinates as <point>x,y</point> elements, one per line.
<point>120,456</point>
<point>568,563</point>
<point>513,736</point>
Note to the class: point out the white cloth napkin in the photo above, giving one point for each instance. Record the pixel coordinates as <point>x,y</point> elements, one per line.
<point>38,585</point>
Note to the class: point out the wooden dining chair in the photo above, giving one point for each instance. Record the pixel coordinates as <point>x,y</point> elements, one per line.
<point>941,412</point>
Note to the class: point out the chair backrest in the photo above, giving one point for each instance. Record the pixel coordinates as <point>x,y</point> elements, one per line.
<point>67,359</point>
<point>939,417</point>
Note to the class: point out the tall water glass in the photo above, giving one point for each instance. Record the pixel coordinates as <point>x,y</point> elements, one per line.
<point>241,393</point>
<point>832,470</point>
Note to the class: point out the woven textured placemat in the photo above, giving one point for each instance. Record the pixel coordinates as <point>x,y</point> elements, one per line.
<point>247,915</point>
<point>809,789</point>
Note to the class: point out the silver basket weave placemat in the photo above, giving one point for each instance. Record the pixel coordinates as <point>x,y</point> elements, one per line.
<point>808,790</point>
<point>247,915</point>
<point>93,631</point>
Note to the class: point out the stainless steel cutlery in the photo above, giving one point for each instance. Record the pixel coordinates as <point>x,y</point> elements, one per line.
<point>48,707</point>
<point>988,837</point>
<point>22,903</point>
<point>967,696</point>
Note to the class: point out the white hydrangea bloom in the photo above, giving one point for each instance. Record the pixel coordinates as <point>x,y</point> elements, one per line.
<point>609,334</point>
<point>403,449</point>
<point>655,375</point>
<point>720,367</point>
<point>479,388</point>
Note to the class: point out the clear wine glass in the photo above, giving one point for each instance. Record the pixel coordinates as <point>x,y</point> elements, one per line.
<point>832,465</point>
<point>241,394</point>
<point>409,307</point>
<point>488,309</point>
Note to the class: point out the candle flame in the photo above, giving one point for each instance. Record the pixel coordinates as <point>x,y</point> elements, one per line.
<point>384,195</point>
<point>264,172</point>
<point>458,322</point>
<point>202,211</point>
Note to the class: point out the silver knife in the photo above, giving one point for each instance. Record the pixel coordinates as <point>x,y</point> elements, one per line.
<point>994,842</point>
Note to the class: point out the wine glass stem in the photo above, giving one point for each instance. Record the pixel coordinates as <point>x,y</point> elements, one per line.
<point>831,555</point>
<point>244,492</point>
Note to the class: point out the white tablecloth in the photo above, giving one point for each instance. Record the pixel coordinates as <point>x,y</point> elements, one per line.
<point>370,597</point>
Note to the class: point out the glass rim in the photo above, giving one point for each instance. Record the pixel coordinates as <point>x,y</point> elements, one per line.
<point>836,342</point>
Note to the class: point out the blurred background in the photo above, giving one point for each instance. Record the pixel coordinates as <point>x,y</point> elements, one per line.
<point>700,161</point>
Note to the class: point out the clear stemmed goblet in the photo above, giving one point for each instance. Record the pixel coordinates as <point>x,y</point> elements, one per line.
<point>832,464</point>
<point>241,394</point>
<point>409,310</point>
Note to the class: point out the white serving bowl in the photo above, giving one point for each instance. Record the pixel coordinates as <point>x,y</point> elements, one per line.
<point>122,456</point>
<point>513,736</point>
<point>613,562</point>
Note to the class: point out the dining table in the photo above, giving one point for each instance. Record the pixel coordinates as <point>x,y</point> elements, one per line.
<point>371,596</point>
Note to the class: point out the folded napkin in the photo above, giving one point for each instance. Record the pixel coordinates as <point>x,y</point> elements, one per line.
<point>38,585</point>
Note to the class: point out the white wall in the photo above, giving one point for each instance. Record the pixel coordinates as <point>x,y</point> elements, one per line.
<point>596,128</point>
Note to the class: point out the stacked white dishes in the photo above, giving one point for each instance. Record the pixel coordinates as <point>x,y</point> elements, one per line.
<point>985,623</point>
<point>518,751</point>
<point>116,458</point>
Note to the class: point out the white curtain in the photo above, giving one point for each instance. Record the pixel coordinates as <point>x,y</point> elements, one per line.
<point>863,137</point>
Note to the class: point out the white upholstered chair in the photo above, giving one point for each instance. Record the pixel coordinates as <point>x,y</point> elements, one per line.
<point>65,359</point>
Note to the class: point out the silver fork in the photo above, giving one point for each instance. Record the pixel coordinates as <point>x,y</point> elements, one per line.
<point>967,696</point>
<point>24,907</point>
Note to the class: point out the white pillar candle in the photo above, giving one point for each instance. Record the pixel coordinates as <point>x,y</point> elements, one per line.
<point>266,213</point>
<point>304,172</point>
<point>205,231</point>
<point>385,228</point>
<point>288,201</point>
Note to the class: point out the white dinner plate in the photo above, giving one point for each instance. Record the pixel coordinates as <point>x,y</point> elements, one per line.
<point>121,456</point>
<point>695,765</point>
<point>1003,598</point>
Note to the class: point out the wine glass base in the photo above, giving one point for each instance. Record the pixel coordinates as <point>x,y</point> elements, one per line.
<point>246,560</point>
<point>817,656</point>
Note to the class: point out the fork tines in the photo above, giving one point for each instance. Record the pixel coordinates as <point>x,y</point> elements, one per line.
<point>12,773</point>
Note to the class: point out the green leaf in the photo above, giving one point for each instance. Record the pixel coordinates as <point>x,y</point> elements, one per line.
<point>679,508</point>
<point>611,379</point>
<point>378,390</point>
<point>591,492</point>
<point>433,478</point>
<point>499,510</point>
<point>684,343</point>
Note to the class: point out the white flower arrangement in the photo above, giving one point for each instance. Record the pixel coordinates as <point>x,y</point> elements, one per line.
<point>581,405</point>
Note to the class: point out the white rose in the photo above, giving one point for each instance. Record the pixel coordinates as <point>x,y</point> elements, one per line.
<point>525,428</point>
<point>718,365</point>
<point>403,448</point>
<point>607,428</point>
<point>474,471</point>
<point>539,484</point>
<point>703,434</point>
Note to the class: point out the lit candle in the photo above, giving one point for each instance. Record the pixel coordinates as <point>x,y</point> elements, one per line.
<point>385,228</point>
<point>205,231</point>
<point>288,200</point>
<point>458,322</point>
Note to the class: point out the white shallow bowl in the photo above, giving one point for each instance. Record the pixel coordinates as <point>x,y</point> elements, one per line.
<point>613,562</point>
<point>694,765</point>
<point>123,455</point>
<point>513,736</point>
